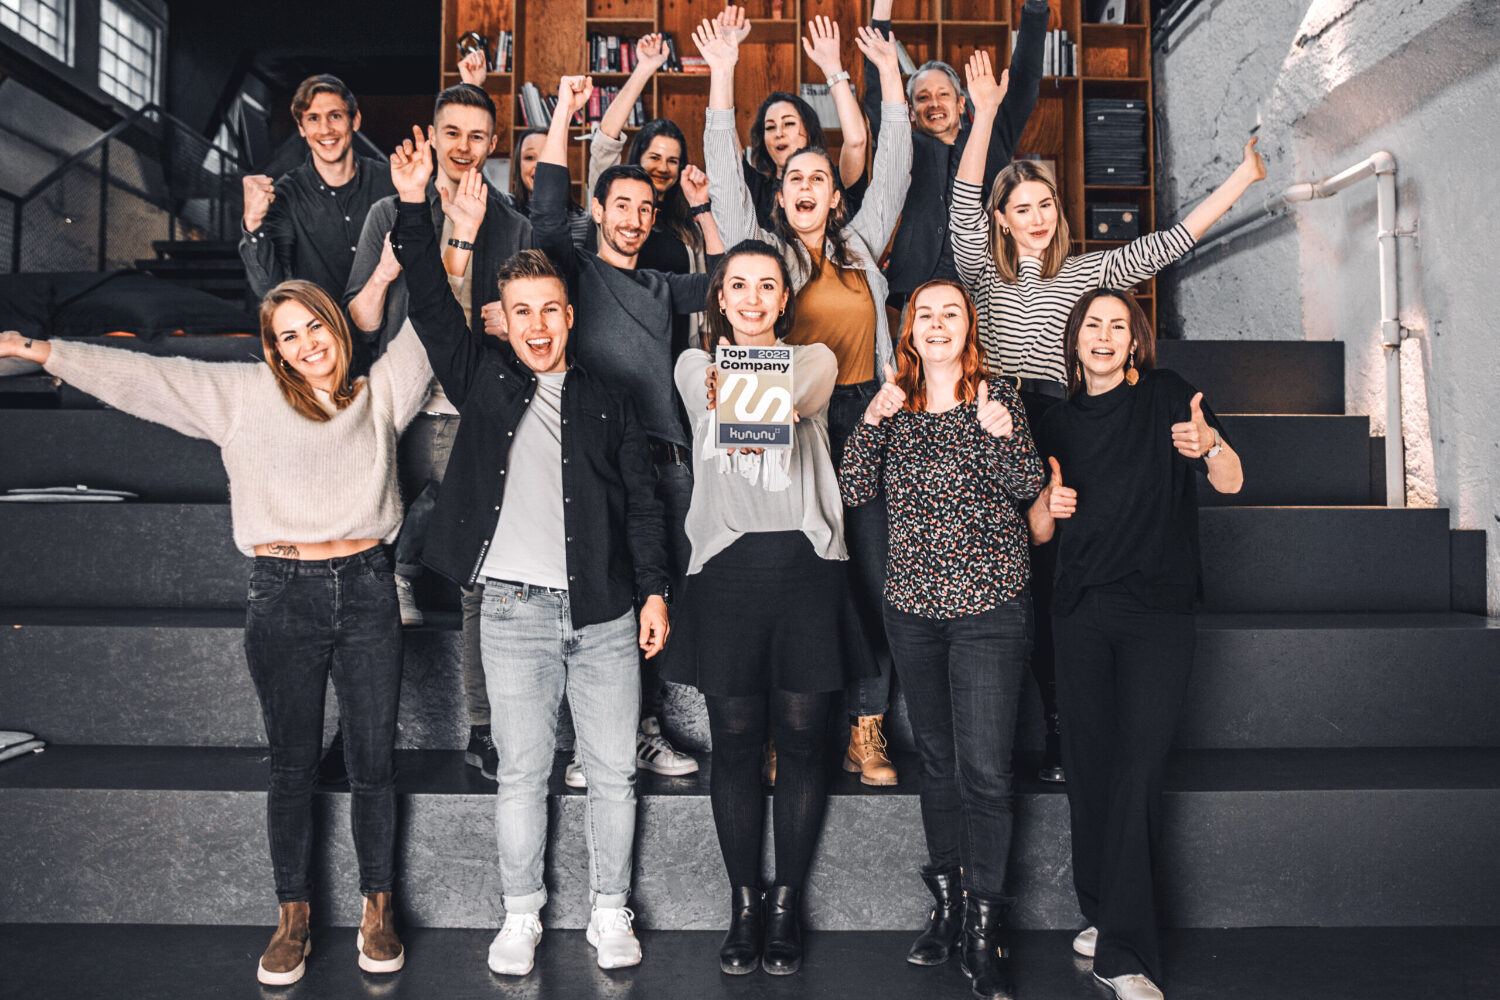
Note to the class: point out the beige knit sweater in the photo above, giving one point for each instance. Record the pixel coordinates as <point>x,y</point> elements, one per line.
<point>290,478</point>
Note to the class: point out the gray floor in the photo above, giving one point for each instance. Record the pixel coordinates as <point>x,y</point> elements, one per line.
<point>41,962</point>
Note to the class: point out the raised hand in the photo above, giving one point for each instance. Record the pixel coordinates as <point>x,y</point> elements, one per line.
<point>734,22</point>
<point>389,268</point>
<point>1059,501</point>
<point>821,43</point>
<point>718,45</point>
<point>1252,164</point>
<point>694,185</point>
<point>993,415</point>
<point>493,314</point>
<point>1194,437</point>
<point>465,207</point>
<point>887,401</point>
<point>651,53</point>
<point>411,166</point>
<point>985,91</point>
<point>259,193</point>
<point>879,49</point>
<point>573,94</point>
<point>473,68</point>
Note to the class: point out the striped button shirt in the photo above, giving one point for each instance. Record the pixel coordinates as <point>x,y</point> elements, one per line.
<point>1021,323</point>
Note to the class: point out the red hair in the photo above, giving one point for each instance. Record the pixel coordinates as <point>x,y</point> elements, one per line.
<point>909,376</point>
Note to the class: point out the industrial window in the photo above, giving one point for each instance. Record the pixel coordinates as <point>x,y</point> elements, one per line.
<point>129,55</point>
<point>47,24</point>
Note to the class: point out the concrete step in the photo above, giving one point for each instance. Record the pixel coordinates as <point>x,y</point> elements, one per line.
<point>1297,460</point>
<point>178,678</point>
<point>44,960</point>
<point>181,249</point>
<point>1260,376</point>
<point>1251,838</point>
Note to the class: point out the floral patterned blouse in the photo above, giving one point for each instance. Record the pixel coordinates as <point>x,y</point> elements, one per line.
<point>958,543</point>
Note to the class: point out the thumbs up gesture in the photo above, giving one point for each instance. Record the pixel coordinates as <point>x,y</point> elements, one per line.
<point>887,401</point>
<point>1060,501</point>
<point>994,416</point>
<point>1194,437</point>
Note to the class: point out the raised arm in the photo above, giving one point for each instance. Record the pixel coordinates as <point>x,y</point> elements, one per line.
<point>266,236</point>
<point>695,189</point>
<point>1208,211</point>
<point>821,43</point>
<point>550,229</point>
<point>650,56</point>
<point>891,175</point>
<point>733,208</point>
<point>1021,94</point>
<point>988,93</point>
<point>465,210</point>
<point>453,351</point>
<point>880,20</point>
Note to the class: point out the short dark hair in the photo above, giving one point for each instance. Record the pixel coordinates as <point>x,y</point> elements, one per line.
<point>322,83</point>
<point>1142,338</point>
<point>620,172</point>
<point>466,95</point>
<point>718,324</point>
<point>530,264</point>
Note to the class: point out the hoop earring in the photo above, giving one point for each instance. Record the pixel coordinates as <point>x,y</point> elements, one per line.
<point>1131,375</point>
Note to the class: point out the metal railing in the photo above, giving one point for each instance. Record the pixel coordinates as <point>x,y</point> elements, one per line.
<point>149,177</point>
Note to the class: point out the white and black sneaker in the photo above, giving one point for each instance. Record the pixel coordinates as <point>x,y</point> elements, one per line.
<point>481,752</point>
<point>655,753</point>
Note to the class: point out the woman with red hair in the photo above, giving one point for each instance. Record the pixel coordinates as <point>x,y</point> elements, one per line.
<point>952,452</point>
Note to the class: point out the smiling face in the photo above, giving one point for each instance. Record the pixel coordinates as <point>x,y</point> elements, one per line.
<point>1030,213</point>
<point>940,325</point>
<point>1104,343</point>
<point>784,132</point>
<point>752,297</point>
<point>662,161</point>
<point>537,320</point>
<point>936,105</point>
<point>463,137</point>
<point>807,193</point>
<point>626,215</point>
<point>307,346</point>
<point>328,127</point>
<point>526,159</point>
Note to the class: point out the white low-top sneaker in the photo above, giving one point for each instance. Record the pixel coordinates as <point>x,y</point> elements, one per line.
<point>1086,941</point>
<point>573,774</point>
<point>411,615</point>
<point>514,948</point>
<point>1136,987</point>
<point>611,934</point>
<point>654,752</point>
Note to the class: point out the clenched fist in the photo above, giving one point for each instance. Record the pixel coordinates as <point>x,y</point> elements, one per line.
<point>259,193</point>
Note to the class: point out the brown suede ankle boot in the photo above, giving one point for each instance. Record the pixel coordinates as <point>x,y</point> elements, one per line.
<point>379,948</point>
<point>285,959</point>
<point>867,753</point>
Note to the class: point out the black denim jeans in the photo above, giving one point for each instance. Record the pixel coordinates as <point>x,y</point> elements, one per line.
<point>307,620</point>
<point>1122,675</point>
<point>962,678</point>
<point>867,537</point>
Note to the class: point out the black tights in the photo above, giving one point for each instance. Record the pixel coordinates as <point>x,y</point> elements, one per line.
<point>798,723</point>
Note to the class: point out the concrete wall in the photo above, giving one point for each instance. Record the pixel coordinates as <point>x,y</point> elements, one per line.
<point>1329,82</point>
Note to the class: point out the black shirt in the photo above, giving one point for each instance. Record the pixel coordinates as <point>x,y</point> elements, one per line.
<point>613,523</point>
<point>1137,517</point>
<point>311,230</point>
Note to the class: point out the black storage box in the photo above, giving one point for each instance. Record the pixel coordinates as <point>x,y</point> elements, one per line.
<point>1114,222</point>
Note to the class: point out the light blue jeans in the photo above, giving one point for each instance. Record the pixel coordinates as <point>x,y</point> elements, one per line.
<point>531,651</point>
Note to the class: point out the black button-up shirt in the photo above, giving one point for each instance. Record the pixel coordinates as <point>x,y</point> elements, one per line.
<point>311,230</point>
<point>614,530</point>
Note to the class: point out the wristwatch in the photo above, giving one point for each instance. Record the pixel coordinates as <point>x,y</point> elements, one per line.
<point>460,244</point>
<point>842,74</point>
<point>1218,447</point>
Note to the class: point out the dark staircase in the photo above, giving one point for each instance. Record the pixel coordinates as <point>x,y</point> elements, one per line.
<point>1338,764</point>
<point>211,266</point>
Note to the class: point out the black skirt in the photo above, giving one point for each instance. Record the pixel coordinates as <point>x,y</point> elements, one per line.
<point>766,613</point>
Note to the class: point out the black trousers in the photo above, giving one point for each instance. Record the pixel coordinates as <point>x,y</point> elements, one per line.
<point>1122,672</point>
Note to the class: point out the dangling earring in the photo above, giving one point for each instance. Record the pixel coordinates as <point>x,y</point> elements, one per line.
<point>1078,370</point>
<point>1005,230</point>
<point>1131,375</point>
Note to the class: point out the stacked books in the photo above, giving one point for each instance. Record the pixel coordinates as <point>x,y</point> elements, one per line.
<point>1059,53</point>
<point>1114,141</point>
<point>603,97</point>
<point>616,53</point>
<point>505,53</point>
<point>536,110</point>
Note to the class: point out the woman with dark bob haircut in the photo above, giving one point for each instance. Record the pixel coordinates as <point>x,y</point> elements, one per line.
<point>1125,451</point>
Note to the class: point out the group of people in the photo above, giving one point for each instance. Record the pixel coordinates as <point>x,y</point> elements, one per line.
<point>518,392</point>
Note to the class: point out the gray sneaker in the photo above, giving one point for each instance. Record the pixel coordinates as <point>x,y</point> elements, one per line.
<point>655,753</point>
<point>411,615</point>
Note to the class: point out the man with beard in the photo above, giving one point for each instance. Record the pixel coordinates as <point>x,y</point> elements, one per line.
<point>306,224</point>
<point>623,334</point>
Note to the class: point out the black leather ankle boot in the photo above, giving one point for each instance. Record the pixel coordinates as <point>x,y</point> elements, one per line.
<point>944,924</point>
<point>740,952</point>
<point>981,959</point>
<point>783,954</point>
<point>1052,768</point>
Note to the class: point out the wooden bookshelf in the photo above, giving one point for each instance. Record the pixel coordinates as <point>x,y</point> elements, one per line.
<point>551,41</point>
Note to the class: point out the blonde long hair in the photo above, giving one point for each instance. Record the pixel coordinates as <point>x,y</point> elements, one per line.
<point>1002,244</point>
<point>295,389</point>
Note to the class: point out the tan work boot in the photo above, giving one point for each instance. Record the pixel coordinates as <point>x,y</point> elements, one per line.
<point>285,959</point>
<point>379,948</point>
<point>867,753</point>
<point>768,765</point>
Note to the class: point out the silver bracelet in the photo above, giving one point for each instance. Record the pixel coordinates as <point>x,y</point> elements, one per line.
<point>841,75</point>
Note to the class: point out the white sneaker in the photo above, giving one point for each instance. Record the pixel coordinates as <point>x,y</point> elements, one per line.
<point>410,614</point>
<point>1135,987</point>
<point>655,753</point>
<point>573,776</point>
<point>514,948</point>
<point>611,934</point>
<point>1086,941</point>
